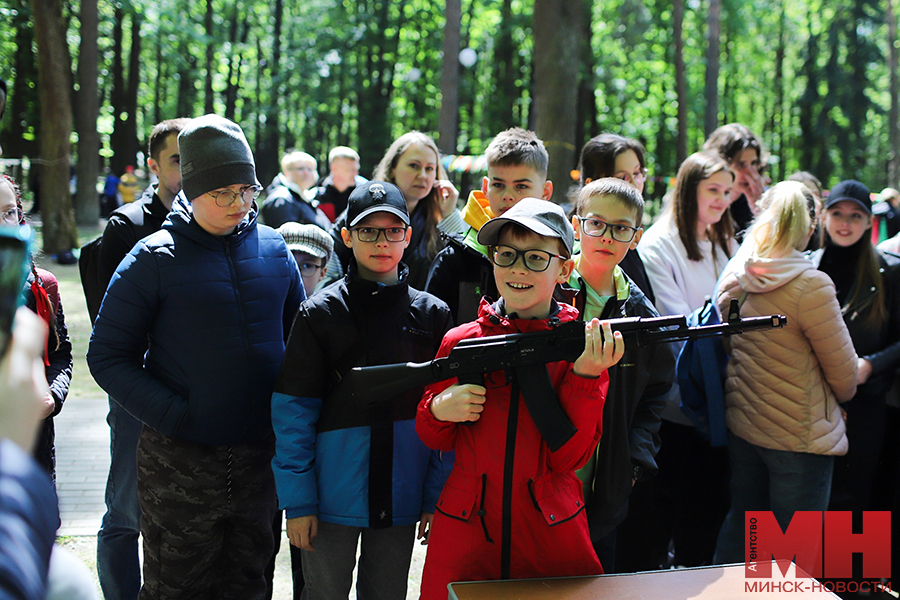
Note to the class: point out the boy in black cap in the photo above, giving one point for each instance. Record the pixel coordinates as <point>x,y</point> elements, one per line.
<point>513,507</point>
<point>342,472</point>
<point>215,294</point>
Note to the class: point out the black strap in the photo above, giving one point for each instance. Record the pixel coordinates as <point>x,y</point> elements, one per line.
<point>543,406</point>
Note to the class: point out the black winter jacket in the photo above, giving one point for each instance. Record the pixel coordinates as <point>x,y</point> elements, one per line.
<point>632,415</point>
<point>879,345</point>
<point>460,276</point>
<point>284,205</point>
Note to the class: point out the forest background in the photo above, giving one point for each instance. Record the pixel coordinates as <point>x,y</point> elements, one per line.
<point>817,80</point>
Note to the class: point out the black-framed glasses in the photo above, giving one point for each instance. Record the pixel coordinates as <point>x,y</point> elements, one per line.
<point>13,216</point>
<point>309,269</point>
<point>594,227</point>
<point>225,198</point>
<point>371,234</point>
<point>534,259</point>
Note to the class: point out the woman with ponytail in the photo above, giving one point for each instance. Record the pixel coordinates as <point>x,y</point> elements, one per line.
<point>41,295</point>
<point>782,387</point>
<point>867,283</point>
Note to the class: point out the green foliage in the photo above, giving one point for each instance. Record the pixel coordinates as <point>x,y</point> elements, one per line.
<point>361,72</point>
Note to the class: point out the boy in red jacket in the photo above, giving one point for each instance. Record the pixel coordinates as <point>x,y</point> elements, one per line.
<point>512,508</point>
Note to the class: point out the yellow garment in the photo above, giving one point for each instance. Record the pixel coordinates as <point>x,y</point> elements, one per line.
<point>477,210</point>
<point>128,186</point>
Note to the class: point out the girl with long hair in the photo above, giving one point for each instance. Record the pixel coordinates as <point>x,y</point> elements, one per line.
<point>783,387</point>
<point>684,252</point>
<point>866,281</point>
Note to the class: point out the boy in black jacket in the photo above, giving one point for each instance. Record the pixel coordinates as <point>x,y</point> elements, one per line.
<point>462,272</point>
<point>345,471</point>
<point>607,221</point>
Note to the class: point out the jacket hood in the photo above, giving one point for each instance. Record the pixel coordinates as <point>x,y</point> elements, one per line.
<point>757,275</point>
<point>494,315</point>
<point>477,210</point>
<point>181,219</point>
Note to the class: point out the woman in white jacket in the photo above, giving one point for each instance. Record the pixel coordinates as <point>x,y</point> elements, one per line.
<point>684,252</point>
<point>783,387</point>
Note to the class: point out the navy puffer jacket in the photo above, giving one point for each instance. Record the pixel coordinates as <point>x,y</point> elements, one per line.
<point>216,311</point>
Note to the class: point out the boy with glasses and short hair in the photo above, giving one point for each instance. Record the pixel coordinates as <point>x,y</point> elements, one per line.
<point>608,224</point>
<point>215,294</point>
<point>512,507</point>
<point>343,472</point>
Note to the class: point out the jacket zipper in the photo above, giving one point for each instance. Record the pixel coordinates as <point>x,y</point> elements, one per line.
<point>508,468</point>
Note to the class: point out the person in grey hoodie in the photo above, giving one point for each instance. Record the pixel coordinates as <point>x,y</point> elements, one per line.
<point>783,387</point>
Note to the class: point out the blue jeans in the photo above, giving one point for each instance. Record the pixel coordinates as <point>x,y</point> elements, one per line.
<point>776,480</point>
<point>118,566</point>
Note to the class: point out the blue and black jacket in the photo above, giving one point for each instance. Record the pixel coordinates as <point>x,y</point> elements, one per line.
<point>361,468</point>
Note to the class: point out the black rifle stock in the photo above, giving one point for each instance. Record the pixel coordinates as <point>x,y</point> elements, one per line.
<point>522,352</point>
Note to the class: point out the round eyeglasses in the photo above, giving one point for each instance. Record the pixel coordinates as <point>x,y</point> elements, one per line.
<point>371,234</point>
<point>535,260</point>
<point>225,198</point>
<point>309,269</point>
<point>594,227</point>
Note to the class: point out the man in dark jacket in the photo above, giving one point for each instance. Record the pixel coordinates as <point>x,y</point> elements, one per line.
<point>118,566</point>
<point>216,295</point>
<point>333,192</point>
<point>289,197</point>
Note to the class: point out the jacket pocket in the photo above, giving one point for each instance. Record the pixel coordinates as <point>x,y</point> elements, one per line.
<point>458,498</point>
<point>558,496</point>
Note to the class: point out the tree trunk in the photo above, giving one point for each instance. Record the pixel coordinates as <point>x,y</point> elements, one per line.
<point>499,111</point>
<point>23,97</point>
<point>586,120</point>
<point>267,150</point>
<point>556,63</point>
<point>714,20</point>
<point>448,121</point>
<point>117,142</point>
<point>779,116</point>
<point>87,207</point>
<point>131,97</point>
<point>894,119</point>
<point>54,89</point>
<point>680,79</point>
<point>158,83</point>
<point>210,55</point>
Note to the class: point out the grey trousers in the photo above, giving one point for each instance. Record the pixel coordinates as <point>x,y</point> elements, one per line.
<point>383,562</point>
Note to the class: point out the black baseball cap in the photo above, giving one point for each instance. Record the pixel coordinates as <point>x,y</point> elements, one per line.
<point>853,191</point>
<point>375,196</point>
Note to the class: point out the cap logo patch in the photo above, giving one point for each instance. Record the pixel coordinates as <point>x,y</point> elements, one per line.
<point>377,191</point>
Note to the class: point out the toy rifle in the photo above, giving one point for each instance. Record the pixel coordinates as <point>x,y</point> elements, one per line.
<point>521,353</point>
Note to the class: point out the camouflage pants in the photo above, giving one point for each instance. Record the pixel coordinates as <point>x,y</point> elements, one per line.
<point>207,518</point>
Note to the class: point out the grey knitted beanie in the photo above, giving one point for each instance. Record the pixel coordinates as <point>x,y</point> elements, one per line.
<point>214,154</point>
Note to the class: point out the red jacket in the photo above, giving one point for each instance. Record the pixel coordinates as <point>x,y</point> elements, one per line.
<point>511,508</point>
